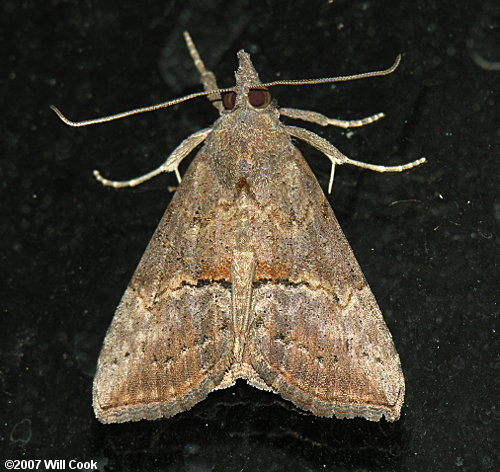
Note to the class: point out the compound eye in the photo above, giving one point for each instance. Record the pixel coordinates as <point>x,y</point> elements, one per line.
<point>229,100</point>
<point>259,98</point>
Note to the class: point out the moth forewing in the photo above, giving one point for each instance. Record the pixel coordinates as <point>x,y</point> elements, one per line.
<point>248,275</point>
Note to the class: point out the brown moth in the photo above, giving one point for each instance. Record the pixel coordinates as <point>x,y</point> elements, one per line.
<point>248,275</point>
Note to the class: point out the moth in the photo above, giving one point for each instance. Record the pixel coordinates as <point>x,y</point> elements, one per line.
<point>248,274</point>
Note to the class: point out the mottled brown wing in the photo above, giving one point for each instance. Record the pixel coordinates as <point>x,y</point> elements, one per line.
<point>169,342</point>
<point>319,338</point>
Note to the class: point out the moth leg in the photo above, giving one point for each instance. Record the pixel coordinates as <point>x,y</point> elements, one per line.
<point>170,165</point>
<point>207,78</point>
<point>332,174</point>
<point>338,158</point>
<point>322,120</point>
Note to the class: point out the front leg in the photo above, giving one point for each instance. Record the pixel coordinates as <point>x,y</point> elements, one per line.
<point>207,77</point>
<point>322,120</point>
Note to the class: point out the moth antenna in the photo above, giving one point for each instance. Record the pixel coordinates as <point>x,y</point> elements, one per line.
<point>329,80</point>
<point>175,101</point>
<point>135,111</point>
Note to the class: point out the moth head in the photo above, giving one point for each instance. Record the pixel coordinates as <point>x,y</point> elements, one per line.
<point>248,92</point>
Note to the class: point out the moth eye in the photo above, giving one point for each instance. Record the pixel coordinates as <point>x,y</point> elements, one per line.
<point>259,98</point>
<point>229,100</point>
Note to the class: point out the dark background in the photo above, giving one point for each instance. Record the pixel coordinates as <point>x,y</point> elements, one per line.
<point>427,239</point>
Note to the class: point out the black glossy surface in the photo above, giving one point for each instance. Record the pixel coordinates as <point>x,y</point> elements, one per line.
<point>427,240</point>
